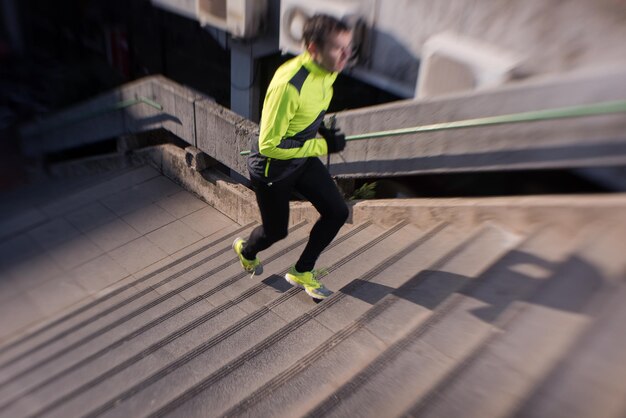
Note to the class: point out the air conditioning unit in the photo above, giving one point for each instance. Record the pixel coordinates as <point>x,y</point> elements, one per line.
<point>454,63</point>
<point>293,13</point>
<point>241,18</point>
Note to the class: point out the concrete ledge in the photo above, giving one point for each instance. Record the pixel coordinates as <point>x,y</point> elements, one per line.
<point>223,134</point>
<point>564,143</point>
<point>194,118</point>
<point>239,203</point>
<point>197,159</point>
<point>232,199</point>
<point>517,213</point>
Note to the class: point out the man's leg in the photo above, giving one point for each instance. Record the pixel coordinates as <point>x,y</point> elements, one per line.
<point>273,204</point>
<point>316,184</point>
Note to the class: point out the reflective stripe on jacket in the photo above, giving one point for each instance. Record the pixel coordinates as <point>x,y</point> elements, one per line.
<point>294,107</point>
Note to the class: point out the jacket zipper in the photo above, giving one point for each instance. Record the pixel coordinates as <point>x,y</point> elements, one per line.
<point>267,167</point>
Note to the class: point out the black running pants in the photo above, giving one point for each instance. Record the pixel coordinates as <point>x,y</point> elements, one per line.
<point>312,181</point>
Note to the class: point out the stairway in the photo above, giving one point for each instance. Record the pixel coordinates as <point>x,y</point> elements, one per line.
<point>437,319</point>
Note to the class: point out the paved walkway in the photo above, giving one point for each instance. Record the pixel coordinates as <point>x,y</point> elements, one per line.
<point>63,242</point>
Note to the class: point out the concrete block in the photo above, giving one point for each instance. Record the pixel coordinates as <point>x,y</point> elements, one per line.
<point>206,134</point>
<point>140,117</point>
<point>168,119</point>
<point>232,199</point>
<point>186,113</point>
<point>223,134</point>
<point>198,160</point>
<point>172,162</point>
<point>178,115</point>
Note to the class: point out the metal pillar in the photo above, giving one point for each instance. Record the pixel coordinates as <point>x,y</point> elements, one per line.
<point>244,86</point>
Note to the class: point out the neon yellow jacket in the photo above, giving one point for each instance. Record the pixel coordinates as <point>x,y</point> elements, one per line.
<point>294,107</point>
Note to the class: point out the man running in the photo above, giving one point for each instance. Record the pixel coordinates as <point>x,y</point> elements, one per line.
<point>285,158</point>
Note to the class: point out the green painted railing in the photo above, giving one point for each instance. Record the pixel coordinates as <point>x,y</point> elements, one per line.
<point>596,109</point>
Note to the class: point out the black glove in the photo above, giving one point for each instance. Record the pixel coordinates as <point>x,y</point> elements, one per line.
<point>335,139</point>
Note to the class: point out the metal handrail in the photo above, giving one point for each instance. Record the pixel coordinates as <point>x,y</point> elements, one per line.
<point>596,109</point>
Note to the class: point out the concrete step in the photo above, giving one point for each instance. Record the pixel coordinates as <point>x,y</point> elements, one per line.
<point>572,389</point>
<point>139,314</point>
<point>345,358</point>
<point>49,190</point>
<point>72,352</point>
<point>334,259</point>
<point>52,251</point>
<point>307,384</point>
<point>126,182</point>
<point>111,310</point>
<point>20,208</point>
<point>191,334</point>
<point>530,338</point>
<point>229,385</point>
<point>119,295</point>
<point>354,299</point>
<point>133,360</point>
<point>193,363</point>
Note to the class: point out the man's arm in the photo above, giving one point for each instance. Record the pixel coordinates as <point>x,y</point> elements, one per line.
<point>281,104</point>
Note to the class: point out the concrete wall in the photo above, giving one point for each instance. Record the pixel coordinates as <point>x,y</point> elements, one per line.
<point>193,117</point>
<point>92,121</point>
<point>575,142</point>
<point>554,36</point>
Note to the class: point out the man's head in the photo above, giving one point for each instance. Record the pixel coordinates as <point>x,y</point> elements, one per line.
<point>329,41</point>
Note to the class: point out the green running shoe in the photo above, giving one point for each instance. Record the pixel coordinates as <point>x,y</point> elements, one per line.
<point>308,281</point>
<point>251,266</point>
